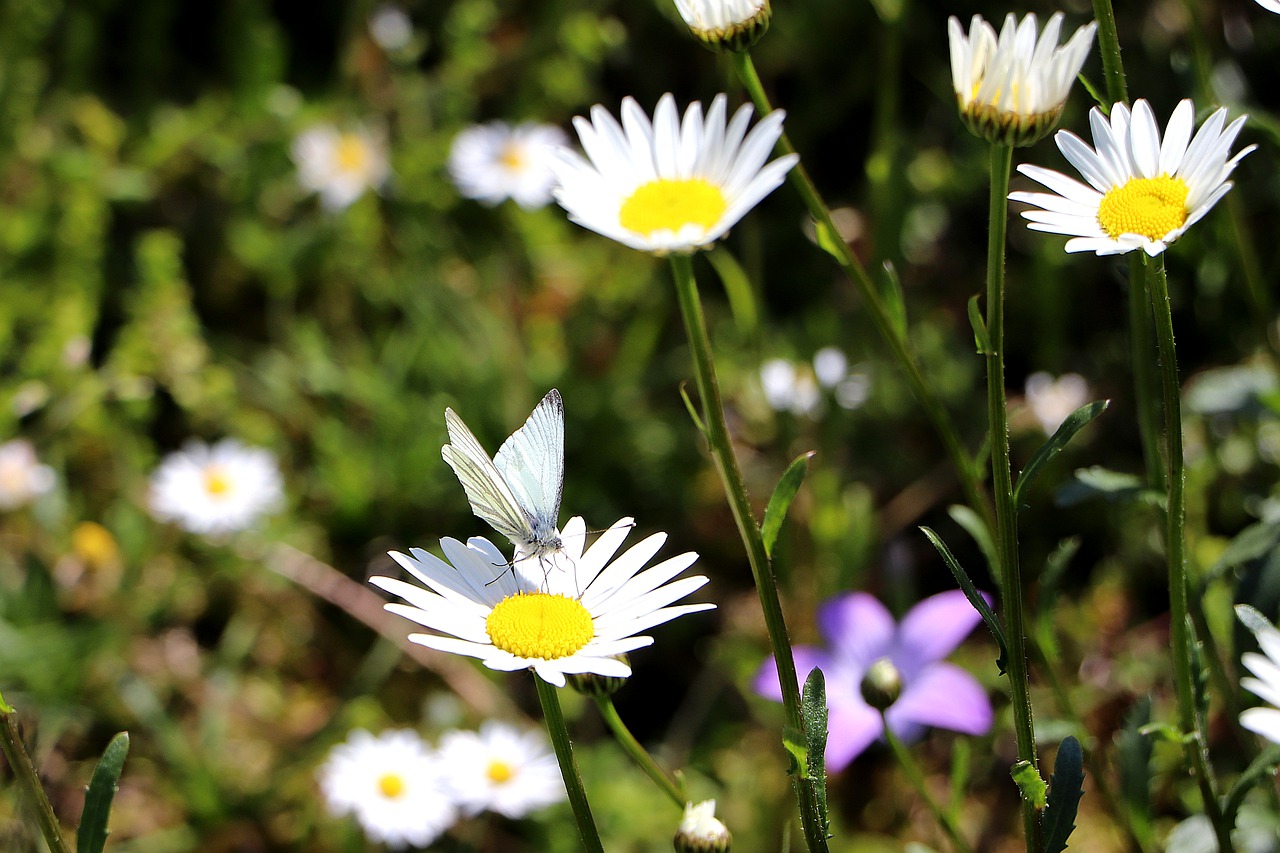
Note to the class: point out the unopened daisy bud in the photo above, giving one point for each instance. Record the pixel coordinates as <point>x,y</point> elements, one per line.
<point>594,684</point>
<point>882,685</point>
<point>1011,89</point>
<point>726,24</point>
<point>701,832</point>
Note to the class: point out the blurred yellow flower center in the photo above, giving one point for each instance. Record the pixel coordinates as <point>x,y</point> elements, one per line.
<point>539,625</point>
<point>1151,207</point>
<point>216,481</point>
<point>352,154</point>
<point>94,544</point>
<point>664,205</point>
<point>513,158</point>
<point>391,786</point>
<point>499,772</point>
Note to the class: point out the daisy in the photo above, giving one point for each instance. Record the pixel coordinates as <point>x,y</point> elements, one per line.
<point>666,185</point>
<point>394,785</point>
<point>1264,720</point>
<point>501,769</point>
<point>568,612</point>
<point>1053,400</point>
<point>1142,193</point>
<point>1011,89</point>
<point>340,165</point>
<point>496,161</point>
<point>732,24</point>
<point>22,477</point>
<point>216,489</point>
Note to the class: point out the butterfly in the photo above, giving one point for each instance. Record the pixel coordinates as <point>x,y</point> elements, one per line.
<point>517,492</point>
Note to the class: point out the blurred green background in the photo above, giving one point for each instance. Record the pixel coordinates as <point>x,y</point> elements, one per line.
<point>163,276</point>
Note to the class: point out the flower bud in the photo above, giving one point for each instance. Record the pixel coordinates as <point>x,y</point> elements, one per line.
<point>592,684</point>
<point>882,684</point>
<point>726,24</point>
<point>700,831</point>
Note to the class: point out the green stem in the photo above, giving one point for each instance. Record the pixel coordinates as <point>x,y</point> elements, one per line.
<point>717,434</point>
<point>1002,483</point>
<point>1190,722</point>
<point>899,345</point>
<point>916,778</point>
<point>1109,47</point>
<point>638,753</point>
<point>24,771</point>
<point>559,734</point>
<point>1142,352</point>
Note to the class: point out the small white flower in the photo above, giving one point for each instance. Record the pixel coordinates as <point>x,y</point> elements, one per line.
<point>496,161</point>
<point>569,612</point>
<point>789,387</point>
<point>1012,88</point>
<point>218,489</point>
<point>1264,720</point>
<point>22,477</point>
<point>1142,193</point>
<point>501,769</point>
<point>732,24</point>
<point>667,185</point>
<point>340,165</point>
<point>390,27</point>
<point>1052,400</point>
<point>392,783</point>
<point>701,830</point>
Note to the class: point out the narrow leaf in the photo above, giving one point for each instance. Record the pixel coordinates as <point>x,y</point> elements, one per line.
<point>829,241</point>
<point>1133,764</point>
<point>1055,566</point>
<point>737,287</point>
<point>1065,791</point>
<point>813,709</point>
<point>780,501</point>
<point>981,340</point>
<point>793,743</point>
<point>92,836</point>
<point>977,528</point>
<point>971,592</point>
<point>1030,783</point>
<point>1111,486</point>
<point>1262,767</point>
<point>1075,422</point>
<point>693,410</point>
<point>894,301</point>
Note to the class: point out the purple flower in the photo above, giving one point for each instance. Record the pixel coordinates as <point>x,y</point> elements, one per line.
<point>860,632</point>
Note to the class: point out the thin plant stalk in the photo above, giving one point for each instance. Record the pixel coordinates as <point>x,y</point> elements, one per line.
<point>899,345</point>
<point>916,778</point>
<point>559,734</point>
<point>1002,484</point>
<point>671,787</point>
<point>721,445</point>
<point>28,779</point>
<point>1190,722</point>
<point>1109,47</point>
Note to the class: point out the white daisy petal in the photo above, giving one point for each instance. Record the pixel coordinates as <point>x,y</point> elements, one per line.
<point>1266,685</point>
<point>500,769</point>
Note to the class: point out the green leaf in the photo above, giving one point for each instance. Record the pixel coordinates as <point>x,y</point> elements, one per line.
<point>1133,764</point>
<point>1055,566</point>
<point>780,501</point>
<point>1111,486</point>
<point>1075,422</point>
<point>1167,732</point>
<point>829,241</point>
<point>1065,791</point>
<point>977,528</point>
<point>1261,768</point>
<point>1253,543</point>
<point>894,302</point>
<point>981,340</point>
<point>813,709</point>
<point>1094,93</point>
<point>737,287</point>
<point>1029,782</point>
<point>793,742</point>
<point>92,836</point>
<point>971,593</point>
<point>693,410</point>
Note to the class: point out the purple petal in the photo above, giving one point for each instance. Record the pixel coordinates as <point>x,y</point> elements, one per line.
<point>946,696</point>
<point>858,628</point>
<point>933,628</point>
<point>851,728</point>
<point>806,658</point>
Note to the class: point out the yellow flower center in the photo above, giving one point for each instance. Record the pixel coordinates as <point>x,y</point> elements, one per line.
<point>391,786</point>
<point>1151,207</point>
<point>512,158</point>
<point>499,772</point>
<point>539,625</point>
<point>352,155</point>
<point>94,544</point>
<point>216,482</point>
<point>664,205</point>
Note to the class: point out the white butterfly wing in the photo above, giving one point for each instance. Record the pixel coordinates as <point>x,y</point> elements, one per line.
<point>531,463</point>
<point>487,490</point>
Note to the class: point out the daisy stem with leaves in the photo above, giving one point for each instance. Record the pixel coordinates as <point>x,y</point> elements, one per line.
<point>892,329</point>
<point>28,779</point>
<point>673,788</point>
<point>1191,723</point>
<point>916,778</point>
<point>1002,483</point>
<point>717,434</point>
<point>559,734</point>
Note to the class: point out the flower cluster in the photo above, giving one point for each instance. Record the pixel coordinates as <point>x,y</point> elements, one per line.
<point>797,387</point>
<point>403,792</point>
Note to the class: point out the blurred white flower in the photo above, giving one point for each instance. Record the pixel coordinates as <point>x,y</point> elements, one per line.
<point>22,477</point>
<point>340,165</point>
<point>501,769</point>
<point>218,489</point>
<point>390,27</point>
<point>797,387</point>
<point>1053,400</point>
<point>496,161</point>
<point>393,785</point>
<point>1270,5</point>
<point>669,185</point>
<point>700,830</point>
<point>1264,720</point>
